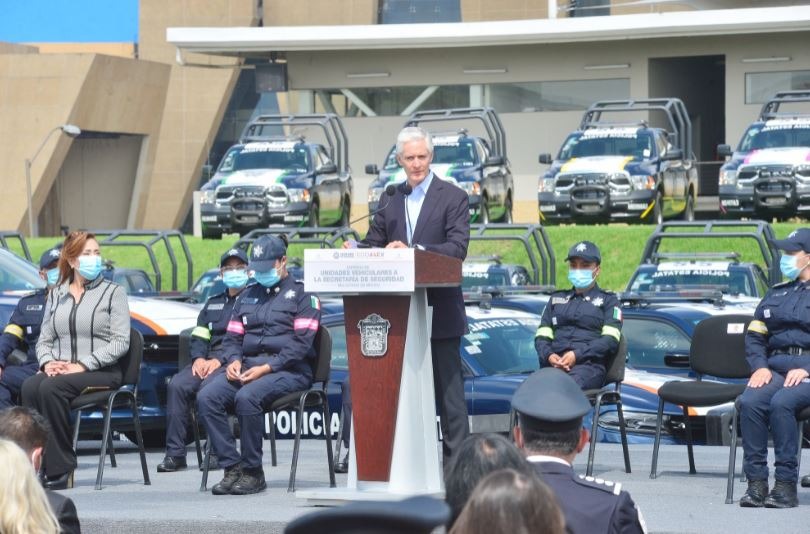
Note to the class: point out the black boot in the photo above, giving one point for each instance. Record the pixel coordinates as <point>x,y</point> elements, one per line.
<point>170,464</point>
<point>232,475</point>
<point>213,462</point>
<point>755,494</point>
<point>251,481</point>
<point>806,481</point>
<point>783,495</point>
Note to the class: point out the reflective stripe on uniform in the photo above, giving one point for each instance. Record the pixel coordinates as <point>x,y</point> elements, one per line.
<point>305,324</point>
<point>758,327</point>
<point>202,333</point>
<point>612,331</point>
<point>14,330</point>
<point>235,327</point>
<point>545,331</point>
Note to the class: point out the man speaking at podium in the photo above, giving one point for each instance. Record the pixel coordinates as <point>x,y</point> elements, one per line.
<point>428,213</point>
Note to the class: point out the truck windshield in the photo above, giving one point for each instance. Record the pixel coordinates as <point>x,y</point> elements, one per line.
<point>265,156</point>
<point>459,152</point>
<point>768,135</point>
<point>621,142</point>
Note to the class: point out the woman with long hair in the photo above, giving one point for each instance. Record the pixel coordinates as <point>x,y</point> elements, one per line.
<point>24,508</point>
<point>85,331</point>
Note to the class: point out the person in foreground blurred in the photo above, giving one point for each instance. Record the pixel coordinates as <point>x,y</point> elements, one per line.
<point>29,431</point>
<point>24,509</point>
<point>550,406</point>
<point>510,502</point>
<point>85,331</point>
<point>479,455</point>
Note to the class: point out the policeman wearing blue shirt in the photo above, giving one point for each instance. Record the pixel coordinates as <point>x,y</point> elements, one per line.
<point>22,332</point>
<point>269,346</point>
<point>777,347</point>
<point>550,407</point>
<point>207,357</point>
<point>580,327</point>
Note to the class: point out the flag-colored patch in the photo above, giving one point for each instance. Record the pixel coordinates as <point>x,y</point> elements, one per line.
<point>617,313</point>
<point>315,302</point>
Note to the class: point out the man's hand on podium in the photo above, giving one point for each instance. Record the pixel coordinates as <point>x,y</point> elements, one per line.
<point>396,244</point>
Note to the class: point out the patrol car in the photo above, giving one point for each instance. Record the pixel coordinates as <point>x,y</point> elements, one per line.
<point>279,179</point>
<point>728,277</point>
<point>619,171</point>
<point>768,174</point>
<point>491,271</point>
<point>475,164</point>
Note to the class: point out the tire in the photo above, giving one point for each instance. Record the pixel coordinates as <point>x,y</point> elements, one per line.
<point>211,234</point>
<point>658,209</point>
<point>507,214</point>
<point>483,212</point>
<point>689,212</point>
<point>314,218</point>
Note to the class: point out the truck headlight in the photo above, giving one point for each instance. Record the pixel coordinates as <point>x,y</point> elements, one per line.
<point>802,171</point>
<point>208,196</point>
<point>546,185</point>
<point>728,177</point>
<point>298,195</point>
<point>643,182</point>
<point>471,188</point>
<point>375,193</point>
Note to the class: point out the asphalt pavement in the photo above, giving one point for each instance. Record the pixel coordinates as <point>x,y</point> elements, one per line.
<point>674,502</point>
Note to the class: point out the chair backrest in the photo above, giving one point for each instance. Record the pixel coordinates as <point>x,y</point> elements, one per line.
<point>323,355</point>
<point>131,361</point>
<point>718,346</point>
<point>184,348</point>
<point>616,363</point>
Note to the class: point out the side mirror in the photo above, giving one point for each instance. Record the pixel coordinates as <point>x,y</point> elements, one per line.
<point>545,159</point>
<point>207,172</point>
<point>327,168</point>
<point>371,168</point>
<point>678,360</point>
<point>672,154</point>
<point>724,151</point>
<point>493,161</point>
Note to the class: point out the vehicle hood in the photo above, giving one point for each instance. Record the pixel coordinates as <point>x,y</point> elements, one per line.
<point>770,156</point>
<point>601,164</point>
<point>162,317</point>
<point>263,177</point>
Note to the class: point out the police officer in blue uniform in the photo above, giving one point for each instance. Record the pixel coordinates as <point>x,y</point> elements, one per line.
<point>580,326</point>
<point>22,332</point>
<point>550,407</point>
<point>207,357</point>
<point>270,353</point>
<point>777,346</point>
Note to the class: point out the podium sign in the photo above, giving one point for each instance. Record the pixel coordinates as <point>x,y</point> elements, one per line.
<point>359,270</point>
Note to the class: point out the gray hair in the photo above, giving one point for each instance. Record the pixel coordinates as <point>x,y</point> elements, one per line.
<point>413,133</point>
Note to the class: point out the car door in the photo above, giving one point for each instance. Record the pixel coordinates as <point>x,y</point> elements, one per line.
<point>656,345</point>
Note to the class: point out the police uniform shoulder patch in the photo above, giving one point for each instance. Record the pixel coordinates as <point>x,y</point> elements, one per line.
<point>289,294</point>
<point>598,301</point>
<point>33,307</point>
<point>598,483</point>
<point>216,306</point>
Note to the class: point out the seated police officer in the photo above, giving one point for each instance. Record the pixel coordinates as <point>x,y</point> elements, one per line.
<point>270,353</point>
<point>777,347</point>
<point>550,407</point>
<point>207,358</point>
<point>580,327</point>
<point>22,332</point>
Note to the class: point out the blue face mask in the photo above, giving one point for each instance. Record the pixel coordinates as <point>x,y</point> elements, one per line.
<point>580,278</point>
<point>235,279</point>
<point>89,266</point>
<point>787,264</point>
<point>53,276</point>
<point>267,278</point>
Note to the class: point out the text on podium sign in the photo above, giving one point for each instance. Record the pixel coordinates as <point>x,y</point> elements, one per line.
<point>365,270</point>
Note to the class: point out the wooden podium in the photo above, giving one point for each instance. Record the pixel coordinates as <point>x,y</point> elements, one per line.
<point>393,449</point>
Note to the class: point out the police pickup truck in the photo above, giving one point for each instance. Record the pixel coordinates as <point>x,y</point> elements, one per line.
<point>279,179</point>
<point>476,164</point>
<point>622,171</point>
<point>769,173</point>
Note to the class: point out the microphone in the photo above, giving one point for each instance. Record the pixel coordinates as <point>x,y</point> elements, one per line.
<point>390,190</point>
<point>406,189</point>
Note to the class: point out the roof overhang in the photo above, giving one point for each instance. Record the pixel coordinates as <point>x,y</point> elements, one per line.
<point>262,41</point>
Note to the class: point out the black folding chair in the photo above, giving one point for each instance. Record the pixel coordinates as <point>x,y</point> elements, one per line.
<point>183,359</point>
<point>608,395</point>
<point>126,395</point>
<point>306,398</point>
<point>717,350</point>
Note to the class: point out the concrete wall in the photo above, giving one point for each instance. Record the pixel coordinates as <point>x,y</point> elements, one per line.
<point>319,12</point>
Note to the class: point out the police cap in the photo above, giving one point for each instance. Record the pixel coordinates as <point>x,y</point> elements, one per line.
<point>796,240</point>
<point>550,401</point>
<point>49,256</point>
<point>266,250</point>
<point>585,250</point>
<point>233,253</point>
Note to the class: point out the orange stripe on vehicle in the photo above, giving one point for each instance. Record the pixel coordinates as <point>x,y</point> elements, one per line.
<point>654,391</point>
<point>159,330</point>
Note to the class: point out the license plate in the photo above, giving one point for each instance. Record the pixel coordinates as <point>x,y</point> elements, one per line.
<point>249,219</point>
<point>637,206</point>
<point>730,202</point>
<point>208,218</point>
<point>293,218</point>
<point>548,208</point>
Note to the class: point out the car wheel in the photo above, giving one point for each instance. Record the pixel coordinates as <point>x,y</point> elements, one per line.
<point>689,212</point>
<point>211,234</point>
<point>507,214</point>
<point>483,212</point>
<point>314,218</point>
<point>658,209</point>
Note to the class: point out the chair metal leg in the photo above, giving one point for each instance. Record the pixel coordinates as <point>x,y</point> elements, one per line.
<point>104,440</point>
<point>298,430</point>
<point>799,453</point>
<point>327,436</point>
<point>339,444</point>
<point>273,456</point>
<point>136,419</point>
<point>658,424</point>
<point>206,459</point>
<point>623,432</point>
<point>594,428</point>
<point>111,451</point>
<point>692,470</point>
<point>195,427</point>
<point>76,429</point>
<point>732,457</point>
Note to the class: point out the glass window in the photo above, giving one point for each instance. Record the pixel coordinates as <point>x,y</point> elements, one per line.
<point>265,156</point>
<point>590,8</point>
<point>776,134</point>
<point>394,100</point>
<point>760,86</point>
<point>608,142</point>
<point>648,341</point>
<point>502,346</point>
<point>340,359</point>
<point>555,95</point>
<point>410,11</point>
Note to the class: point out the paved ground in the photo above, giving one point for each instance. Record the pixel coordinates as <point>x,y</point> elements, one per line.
<point>675,502</point>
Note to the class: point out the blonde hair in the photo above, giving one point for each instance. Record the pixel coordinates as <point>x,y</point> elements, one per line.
<point>24,507</point>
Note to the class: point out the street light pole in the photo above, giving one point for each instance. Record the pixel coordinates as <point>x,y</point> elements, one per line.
<point>72,131</point>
